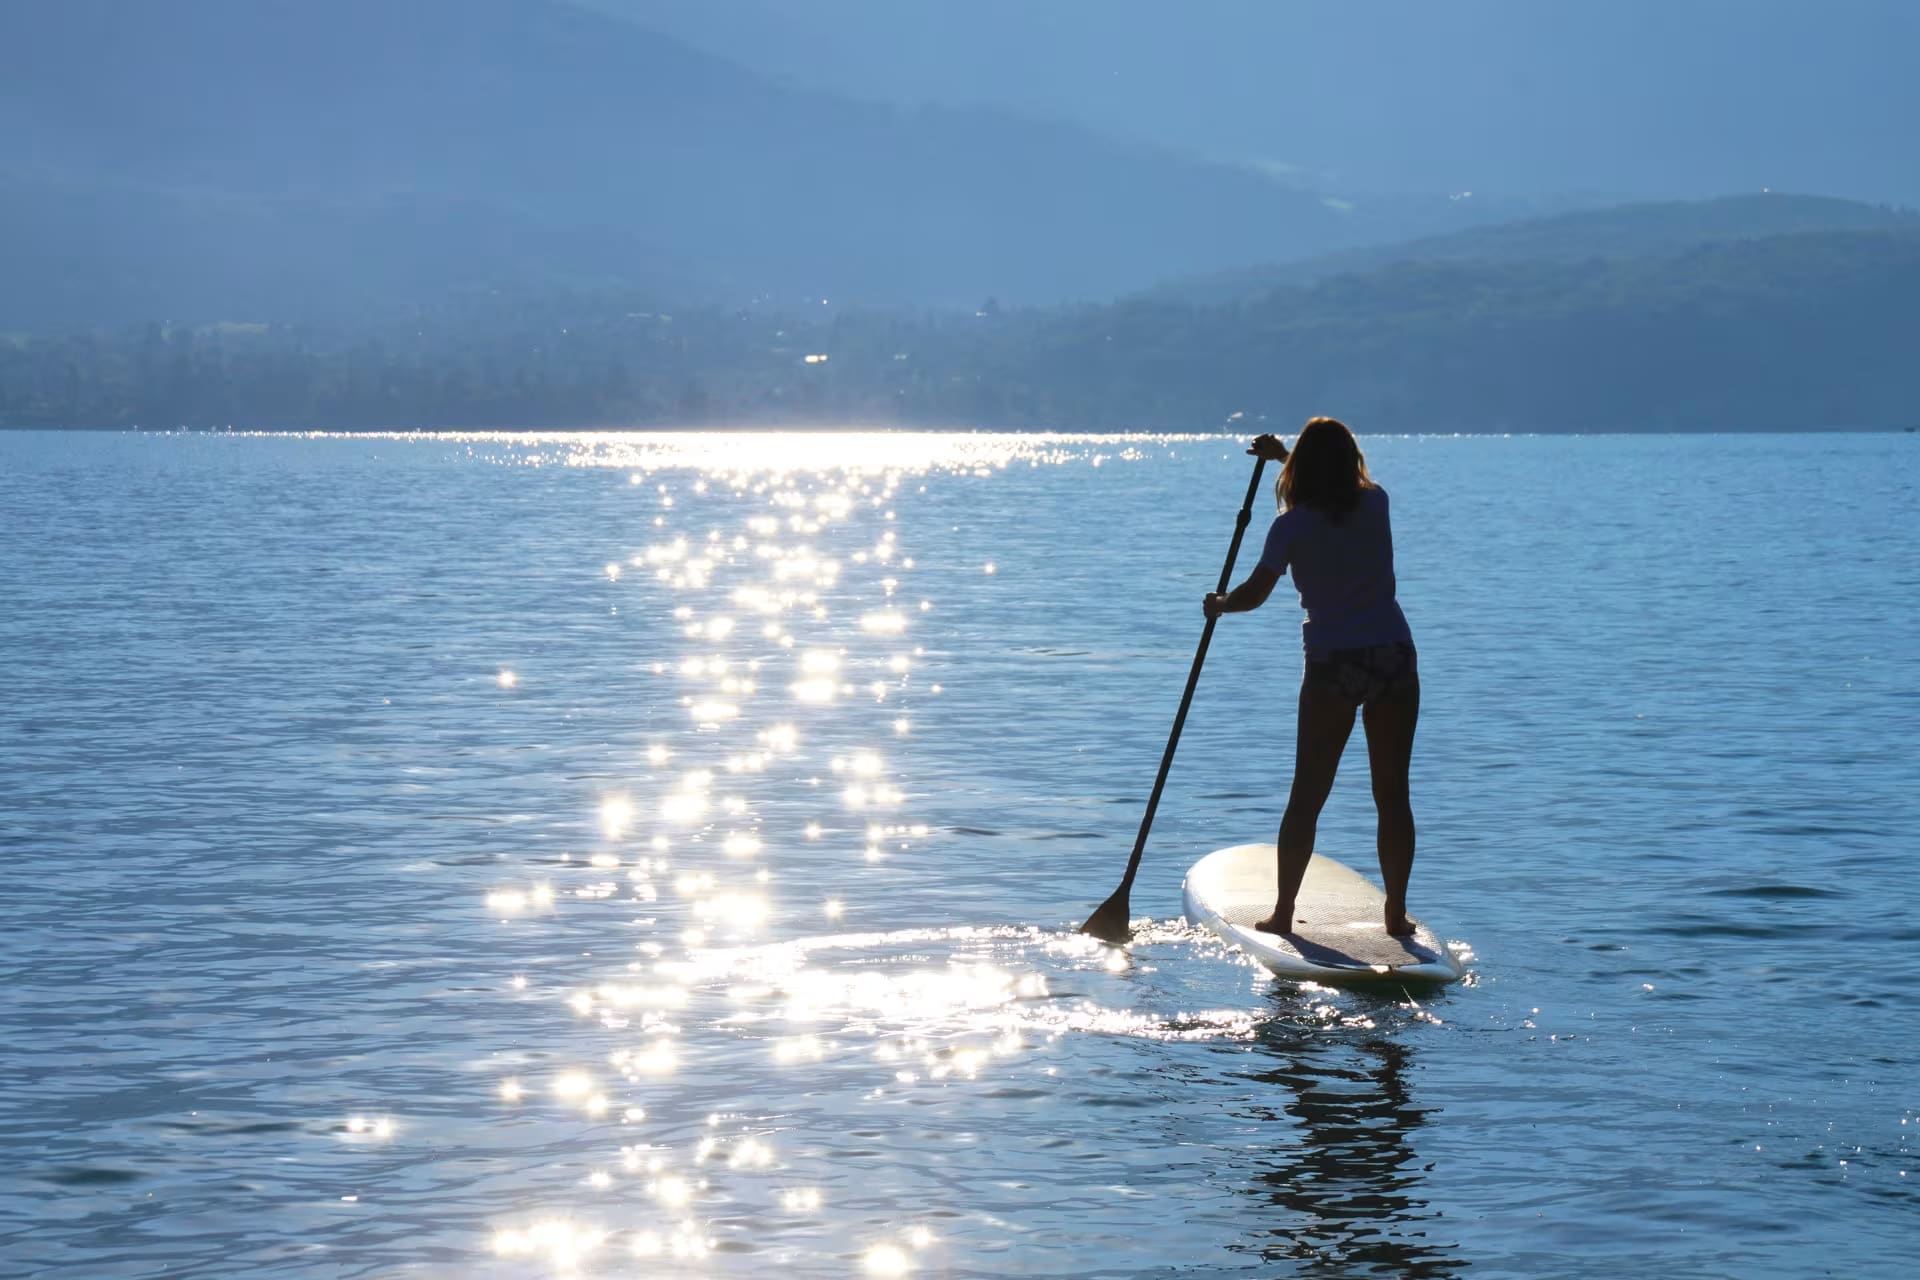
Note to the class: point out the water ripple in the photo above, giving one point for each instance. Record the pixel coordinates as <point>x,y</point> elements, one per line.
<point>502,855</point>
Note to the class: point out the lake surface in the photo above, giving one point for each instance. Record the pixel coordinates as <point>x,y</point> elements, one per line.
<point>660,855</point>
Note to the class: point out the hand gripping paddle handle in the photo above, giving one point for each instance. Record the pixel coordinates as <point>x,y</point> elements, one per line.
<point>1110,921</point>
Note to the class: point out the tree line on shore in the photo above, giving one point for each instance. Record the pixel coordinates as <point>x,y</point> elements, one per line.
<point>1813,330</point>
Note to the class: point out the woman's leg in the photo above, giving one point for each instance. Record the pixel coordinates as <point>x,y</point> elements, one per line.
<point>1326,720</point>
<point>1390,722</point>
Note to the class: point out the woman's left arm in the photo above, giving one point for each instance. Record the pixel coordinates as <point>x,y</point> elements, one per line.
<point>1248,596</point>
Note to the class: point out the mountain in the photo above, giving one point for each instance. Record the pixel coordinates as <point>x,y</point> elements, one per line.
<point>1624,231</point>
<point>77,253</point>
<point>312,159</point>
<point>1803,331</point>
<point>1641,99</point>
<point>1807,331</point>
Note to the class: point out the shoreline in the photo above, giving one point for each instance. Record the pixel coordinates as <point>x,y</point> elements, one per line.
<point>767,428</point>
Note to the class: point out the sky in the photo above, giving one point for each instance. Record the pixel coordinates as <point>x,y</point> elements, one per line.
<point>1632,98</point>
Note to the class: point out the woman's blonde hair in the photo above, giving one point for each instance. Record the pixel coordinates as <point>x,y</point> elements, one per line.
<point>1325,471</point>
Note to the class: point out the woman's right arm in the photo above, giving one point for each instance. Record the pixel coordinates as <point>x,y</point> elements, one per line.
<point>1246,597</point>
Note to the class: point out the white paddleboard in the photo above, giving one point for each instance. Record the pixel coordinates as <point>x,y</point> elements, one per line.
<point>1341,935</point>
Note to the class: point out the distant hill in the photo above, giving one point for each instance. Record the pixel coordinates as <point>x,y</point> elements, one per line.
<point>1808,331</point>
<point>1652,99</point>
<point>77,253</point>
<point>1624,231</point>
<point>310,159</point>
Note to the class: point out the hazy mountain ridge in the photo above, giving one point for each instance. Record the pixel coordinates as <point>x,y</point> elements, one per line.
<point>1643,99</point>
<point>1652,229</point>
<point>518,213</point>
<point>295,130</point>
<point>1811,330</point>
<point>74,259</point>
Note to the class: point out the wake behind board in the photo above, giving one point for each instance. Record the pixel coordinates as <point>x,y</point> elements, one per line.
<point>1343,938</point>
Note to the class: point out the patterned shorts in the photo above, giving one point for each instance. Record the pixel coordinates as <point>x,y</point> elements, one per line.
<point>1368,674</point>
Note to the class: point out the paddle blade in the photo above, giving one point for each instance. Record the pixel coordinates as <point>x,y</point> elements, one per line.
<point>1112,922</point>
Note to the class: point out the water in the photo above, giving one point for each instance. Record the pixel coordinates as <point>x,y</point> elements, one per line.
<point>495,857</point>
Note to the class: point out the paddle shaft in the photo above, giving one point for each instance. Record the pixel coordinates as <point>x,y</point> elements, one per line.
<point>1193,681</point>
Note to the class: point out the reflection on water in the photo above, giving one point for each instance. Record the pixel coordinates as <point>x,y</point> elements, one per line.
<point>813,558</point>
<point>1346,1189</point>
<point>659,856</point>
<point>791,709</point>
<point>857,1023</point>
<point>787,583</point>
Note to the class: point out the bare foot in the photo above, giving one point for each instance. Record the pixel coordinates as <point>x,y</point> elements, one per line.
<point>1281,921</point>
<point>1397,923</point>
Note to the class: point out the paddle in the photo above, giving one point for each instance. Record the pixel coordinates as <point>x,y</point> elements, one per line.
<point>1111,922</point>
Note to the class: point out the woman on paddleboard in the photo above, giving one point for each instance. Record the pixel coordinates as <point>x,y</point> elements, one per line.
<point>1334,536</point>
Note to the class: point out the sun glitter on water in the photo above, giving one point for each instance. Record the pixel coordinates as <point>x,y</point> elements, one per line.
<point>774,599</point>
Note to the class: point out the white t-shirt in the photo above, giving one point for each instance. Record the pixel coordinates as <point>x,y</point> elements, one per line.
<point>1344,573</point>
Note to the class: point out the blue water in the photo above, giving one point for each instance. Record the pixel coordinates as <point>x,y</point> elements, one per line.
<point>660,855</point>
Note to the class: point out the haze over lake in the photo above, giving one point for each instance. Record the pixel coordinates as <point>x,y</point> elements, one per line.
<point>1491,216</point>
